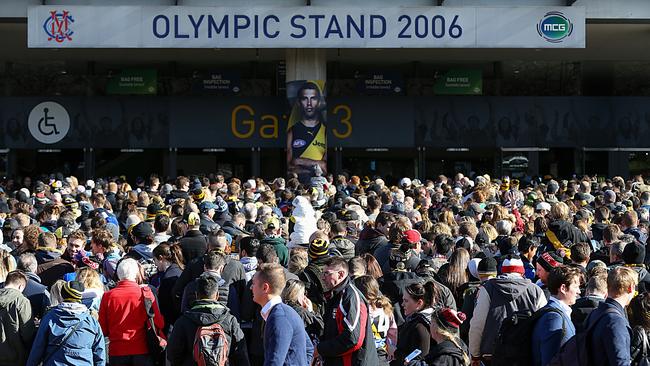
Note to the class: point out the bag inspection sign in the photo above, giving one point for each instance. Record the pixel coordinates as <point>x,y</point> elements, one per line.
<point>59,26</point>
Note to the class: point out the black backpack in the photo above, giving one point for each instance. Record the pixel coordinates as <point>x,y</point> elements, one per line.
<point>575,352</point>
<point>513,346</point>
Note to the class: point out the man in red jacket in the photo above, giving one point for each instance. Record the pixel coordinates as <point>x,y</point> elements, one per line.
<point>122,317</point>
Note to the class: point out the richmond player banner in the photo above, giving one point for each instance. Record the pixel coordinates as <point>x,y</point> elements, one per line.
<point>306,129</point>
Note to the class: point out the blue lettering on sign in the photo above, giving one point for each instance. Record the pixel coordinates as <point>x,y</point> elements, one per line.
<point>156,20</point>
<point>212,26</point>
<point>241,26</point>
<point>176,29</point>
<point>317,19</point>
<point>374,32</point>
<point>333,27</point>
<point>266,26</point>
<point>351,24</point>
<point>300,26</point>
<point>196,24</point>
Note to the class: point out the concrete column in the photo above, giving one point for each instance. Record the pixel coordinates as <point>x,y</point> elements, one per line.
<point>306,64</point>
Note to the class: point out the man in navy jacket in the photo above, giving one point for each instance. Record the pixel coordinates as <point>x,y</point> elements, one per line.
<point>285,339</point>
<point>610,336</point>
<point>554,327</point>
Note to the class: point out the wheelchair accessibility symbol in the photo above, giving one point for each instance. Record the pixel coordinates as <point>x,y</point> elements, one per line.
<point>49,122</point>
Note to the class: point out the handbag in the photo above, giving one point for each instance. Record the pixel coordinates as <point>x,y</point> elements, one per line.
<point>155,342</point>
<point>644,354</point>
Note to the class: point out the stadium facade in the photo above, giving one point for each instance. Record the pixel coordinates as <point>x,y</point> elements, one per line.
<point>416,89</point>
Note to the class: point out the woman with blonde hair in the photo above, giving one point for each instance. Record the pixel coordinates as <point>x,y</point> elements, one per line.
<point>294,296</point>
<point>7,264</point>
<point>384,327</point>
<point>94,289</point>
<point>449,349</point>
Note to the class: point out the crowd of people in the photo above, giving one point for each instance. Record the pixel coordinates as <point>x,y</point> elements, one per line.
<point>336,271</point>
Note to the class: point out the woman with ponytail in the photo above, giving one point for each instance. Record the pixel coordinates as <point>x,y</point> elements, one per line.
<point>384,328</point>
<point>169,261</point>
<point>449,349</point>
<point>417,302</point>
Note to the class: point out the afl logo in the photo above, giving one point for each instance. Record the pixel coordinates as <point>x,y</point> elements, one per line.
<point>298,143</point>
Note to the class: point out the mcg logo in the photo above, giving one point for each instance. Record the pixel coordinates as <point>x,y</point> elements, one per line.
<point>57,26</point>
<point>554,27</point>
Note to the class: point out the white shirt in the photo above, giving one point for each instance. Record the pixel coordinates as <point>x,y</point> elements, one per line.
<point>566,308</point>
<point>269,305</point>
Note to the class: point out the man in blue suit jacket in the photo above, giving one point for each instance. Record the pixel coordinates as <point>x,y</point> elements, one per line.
<point>610,335</point>
<point>285,339</point>
<point>554,327</point>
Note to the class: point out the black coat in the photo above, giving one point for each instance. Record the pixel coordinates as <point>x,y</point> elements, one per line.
<point>581,310</point>
<point>37,294</point>
<point>166,303</point>
<point>413,334</point>
<point>193,245</point>
<point>445,353</point>
<point>207,225</point>
<point>205,312</point>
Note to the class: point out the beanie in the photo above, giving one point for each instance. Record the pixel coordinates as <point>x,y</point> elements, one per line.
<point>487,267</point>
<point>634,253</point>
<point>71,291</point>
<point>450,319</point>
<point>512,264</point>
<point>318,248</point>
<point>550,260</point>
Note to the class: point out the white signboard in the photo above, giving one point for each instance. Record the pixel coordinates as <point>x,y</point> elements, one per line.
<point>305,27</point>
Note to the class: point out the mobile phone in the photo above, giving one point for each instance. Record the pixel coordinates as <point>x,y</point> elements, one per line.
<point>412,355</point>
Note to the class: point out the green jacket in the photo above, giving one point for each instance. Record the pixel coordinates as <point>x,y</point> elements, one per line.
<point>280,246</point>
<point>18,327</point>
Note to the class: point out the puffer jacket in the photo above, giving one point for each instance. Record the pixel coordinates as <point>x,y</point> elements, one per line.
<point>347,339</point>
<point>203,313</point>
<point>16,327</point>
<point>344,246</point>
<point>84,346</point>
<point>499,298</point>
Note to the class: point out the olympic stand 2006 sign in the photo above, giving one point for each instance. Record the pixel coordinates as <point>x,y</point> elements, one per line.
<point>305,27</point>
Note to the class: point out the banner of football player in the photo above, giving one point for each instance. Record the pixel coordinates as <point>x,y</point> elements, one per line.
<point>306,129</point>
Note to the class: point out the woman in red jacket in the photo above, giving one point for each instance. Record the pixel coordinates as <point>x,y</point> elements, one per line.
<point>122,317</point>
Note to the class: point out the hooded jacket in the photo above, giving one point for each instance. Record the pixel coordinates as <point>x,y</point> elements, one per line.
<point>16,327</point>
<point>204,313</point>
<point>347,339</point>
<point>304,218</point>
<point>369,240</point>
<point>51,267</point>
<point>280,247</point>
<point>193,245</point>
<point>85,345</point>
<point>445,353</point>
<point>39,297</point>
<point>499,298</point>
<point>344,246</point>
